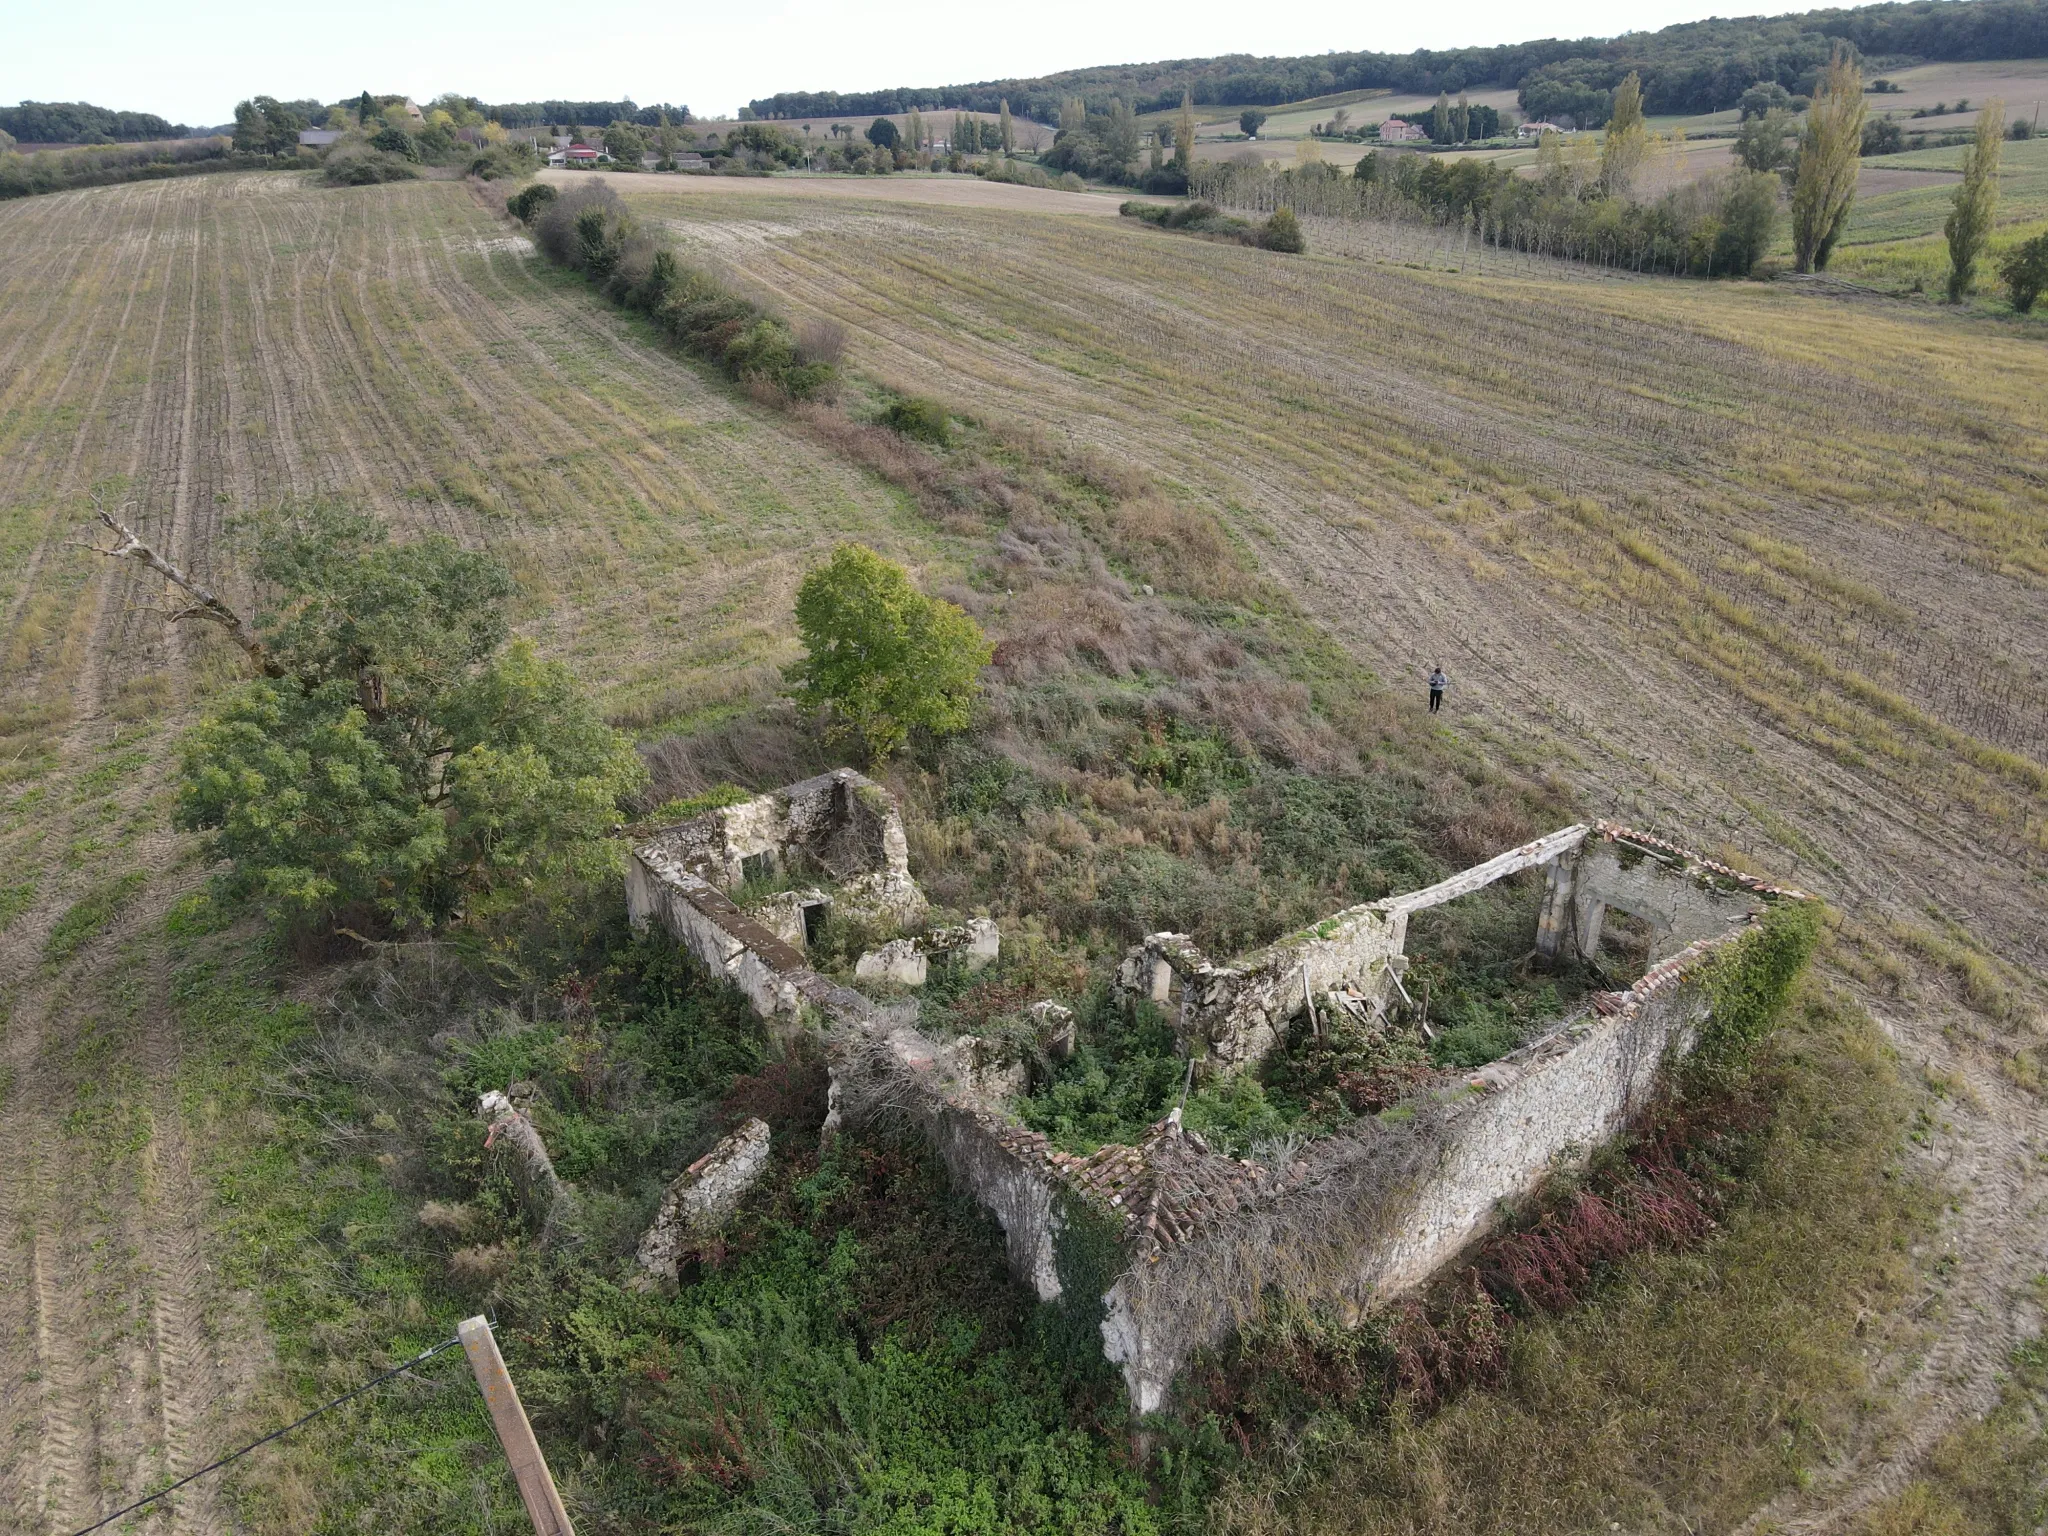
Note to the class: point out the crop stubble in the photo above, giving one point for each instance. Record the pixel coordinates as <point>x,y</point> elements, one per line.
<point>196,349</point>
<point>1741,562</point>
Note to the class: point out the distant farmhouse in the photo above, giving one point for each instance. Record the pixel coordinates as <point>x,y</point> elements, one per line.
<point>318,138</point>
<point>1394,131</point>
<point>1536,130</point>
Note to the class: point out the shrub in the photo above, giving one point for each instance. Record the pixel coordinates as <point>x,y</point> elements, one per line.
<point>502,162</point>
<point>2025,270</point>
<point>1194,218</point>
<point>882,659</point>
<point>358,165</point>
<point>1282,232</point>
<point>527,203</point>
<point>589,230</point>
<point>1748,981</point>
<point>396,141</point>
<point>915,416</point>
<point>1883,136</point>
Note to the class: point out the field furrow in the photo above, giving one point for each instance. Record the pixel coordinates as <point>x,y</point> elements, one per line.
<point>213,346</point>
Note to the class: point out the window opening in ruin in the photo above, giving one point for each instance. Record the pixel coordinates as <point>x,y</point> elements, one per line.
<point>1625,943</point>
<point>814,922</point>
<point>756,868</point>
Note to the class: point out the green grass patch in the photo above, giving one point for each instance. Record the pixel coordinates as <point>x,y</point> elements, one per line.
<point>15,899</point>
<point>851,1357</point>
<point>1689,1388</point>
<point>90,914</point>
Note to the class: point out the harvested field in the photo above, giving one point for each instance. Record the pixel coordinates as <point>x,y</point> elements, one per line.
<point>197,348</point>
<point>939,191</point>
<point>1741,563</point>
<point>1736,561</point>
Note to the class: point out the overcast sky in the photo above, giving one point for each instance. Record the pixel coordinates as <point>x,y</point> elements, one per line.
<point>192,63</point>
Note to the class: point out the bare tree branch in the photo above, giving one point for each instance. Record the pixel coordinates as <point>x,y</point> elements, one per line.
<point>205,604</point>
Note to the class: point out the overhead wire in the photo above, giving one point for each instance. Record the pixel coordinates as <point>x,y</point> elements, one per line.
<point>375,1381</point>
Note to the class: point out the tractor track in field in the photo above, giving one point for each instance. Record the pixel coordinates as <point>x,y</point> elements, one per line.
<point>106,1307</point>
<point>219,344</point>
<point>1551,672</point>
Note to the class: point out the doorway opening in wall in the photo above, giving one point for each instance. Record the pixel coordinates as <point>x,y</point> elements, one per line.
<point>756,867</point>
<point>814,922</point>
<point>1624,950</point>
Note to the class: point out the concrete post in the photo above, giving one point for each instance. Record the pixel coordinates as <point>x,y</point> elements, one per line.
<point>529,1467</point>
<point>1555,922</point>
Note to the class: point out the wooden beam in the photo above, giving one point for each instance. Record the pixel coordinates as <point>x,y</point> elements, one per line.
<point>529,1467</point>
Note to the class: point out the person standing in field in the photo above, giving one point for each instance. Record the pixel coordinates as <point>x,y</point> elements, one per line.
<point>1437,684</point>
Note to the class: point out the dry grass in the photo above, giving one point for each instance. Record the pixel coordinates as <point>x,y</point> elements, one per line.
<point>1761,567</point>
<point>1695,1386</point>
<point>939,191</point>
<point>201,348</point>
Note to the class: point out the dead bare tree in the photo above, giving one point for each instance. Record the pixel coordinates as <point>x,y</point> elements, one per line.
<point>205,605</point>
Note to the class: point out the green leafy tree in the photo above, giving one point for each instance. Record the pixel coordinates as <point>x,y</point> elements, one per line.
<point>2025,270</point>
<point>1749,220</point>
<point>1824,185</point>
<point>882,133</point>
<point>881,658</point>
<point>1184,134</point>
<point>1121,137</point>
<point>1762,142</point>
<point>1627,141</point>
<point>1251,120</point>
<point>1005,127</point>
<point>364,107</point>
<point>1969,222</point>
<point>397,763</point>
<point>265,126</point>
<point>625,142</point>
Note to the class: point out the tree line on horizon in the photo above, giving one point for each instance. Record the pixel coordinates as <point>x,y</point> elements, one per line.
<point>1693,67</point>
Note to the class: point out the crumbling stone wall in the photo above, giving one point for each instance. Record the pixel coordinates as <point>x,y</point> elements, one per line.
<point>1681,895</point>
<point>703,1197</point>
<point>841,824</point>
<point>1236,1014</point>
<point>1359,1216</point>
<point>1374,1212</point>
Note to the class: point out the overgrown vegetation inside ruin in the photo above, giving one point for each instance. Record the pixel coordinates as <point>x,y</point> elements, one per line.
<point>1143,760</point>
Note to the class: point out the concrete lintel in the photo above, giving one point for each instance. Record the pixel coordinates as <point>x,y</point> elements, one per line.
<point>1479,876</point>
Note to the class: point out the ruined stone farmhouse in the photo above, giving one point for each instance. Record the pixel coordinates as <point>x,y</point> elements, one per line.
<point>1173,1241</point>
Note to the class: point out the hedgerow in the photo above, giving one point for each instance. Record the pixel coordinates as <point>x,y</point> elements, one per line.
<point>589,231</point>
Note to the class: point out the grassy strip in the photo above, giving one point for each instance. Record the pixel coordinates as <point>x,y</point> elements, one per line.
<point>589,231</point>
<point>1694,1384</point>
<point>90,914</point>
<point>1989,1477</point>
